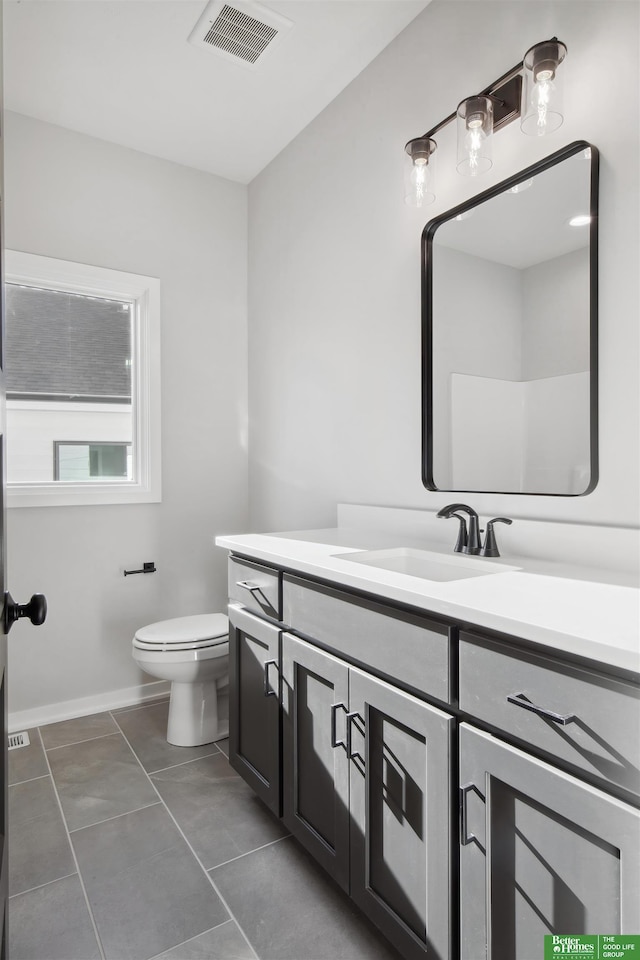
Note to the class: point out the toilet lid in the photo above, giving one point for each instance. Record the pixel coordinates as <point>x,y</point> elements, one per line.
<point>206,626</point>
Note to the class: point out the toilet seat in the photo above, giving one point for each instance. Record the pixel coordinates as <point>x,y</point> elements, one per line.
<point>184,633</point>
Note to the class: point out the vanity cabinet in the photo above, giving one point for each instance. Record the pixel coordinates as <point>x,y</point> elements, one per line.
<point>471,793</point>
<point>540,852</point>
<point>366,790</point>
<point>254,708</point>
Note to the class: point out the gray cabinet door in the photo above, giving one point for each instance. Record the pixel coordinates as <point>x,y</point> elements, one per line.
<point>254,710</point>
<point>315,692</point>
<point>400,816</point>
<point>541,852</point>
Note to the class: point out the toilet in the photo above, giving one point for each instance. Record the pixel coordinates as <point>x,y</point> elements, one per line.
<point>193,653</point>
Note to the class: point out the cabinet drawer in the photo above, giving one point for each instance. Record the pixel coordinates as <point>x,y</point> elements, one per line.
<point>398,645</point>
<point>256,587</point>
<point>587,719</point>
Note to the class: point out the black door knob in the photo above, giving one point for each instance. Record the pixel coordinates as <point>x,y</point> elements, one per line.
<point>35,610</point>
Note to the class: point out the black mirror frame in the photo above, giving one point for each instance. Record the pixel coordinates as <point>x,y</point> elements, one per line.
<point>427,316</point>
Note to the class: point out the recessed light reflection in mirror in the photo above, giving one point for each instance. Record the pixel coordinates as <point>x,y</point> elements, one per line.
<point>580,221</point>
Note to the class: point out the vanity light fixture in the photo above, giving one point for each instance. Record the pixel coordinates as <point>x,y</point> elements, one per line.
<point>529,90</point>
<point>542,97</point>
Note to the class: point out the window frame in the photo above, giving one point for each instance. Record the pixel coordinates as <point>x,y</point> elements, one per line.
<point>34,270</point>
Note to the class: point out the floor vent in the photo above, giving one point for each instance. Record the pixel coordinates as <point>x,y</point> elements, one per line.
<point>18,740</point>
<point>243,32</point>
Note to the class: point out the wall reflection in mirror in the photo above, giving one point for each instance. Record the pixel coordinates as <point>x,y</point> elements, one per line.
<point>509,328</point>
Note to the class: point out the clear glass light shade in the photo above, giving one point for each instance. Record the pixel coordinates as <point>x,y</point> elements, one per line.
<point>419,172</point>
<point>542,89</point>
<point>475,136</point>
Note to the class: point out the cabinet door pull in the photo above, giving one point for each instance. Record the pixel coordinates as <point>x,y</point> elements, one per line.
<point>465,837</point>
<point>248,585</point>
<point>268,692</point>
<point>334,740</point>
<point>519,701</point>
<point>350,718</point>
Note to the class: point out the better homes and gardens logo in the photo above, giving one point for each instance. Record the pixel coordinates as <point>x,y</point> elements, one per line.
<point>596,947</point>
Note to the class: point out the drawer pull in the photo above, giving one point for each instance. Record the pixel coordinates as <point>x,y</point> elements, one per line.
<point>519,701</point>
<point>268,692</point>
<point>248,585</point>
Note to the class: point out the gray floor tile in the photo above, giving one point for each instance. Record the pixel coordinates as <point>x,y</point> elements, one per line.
<point>224,746</point>
<point>52,923</point>
<point>98,779</point>
<point>218,813</point>
<point>39,849</point>
<point>290,909</point>
<point>223,943</point>
<point>25,763</point>
<point>73,731</point>
<point>146,889</point>
<point>146,731</point>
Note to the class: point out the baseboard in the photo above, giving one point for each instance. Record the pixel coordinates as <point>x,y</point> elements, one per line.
<point>85,706</point>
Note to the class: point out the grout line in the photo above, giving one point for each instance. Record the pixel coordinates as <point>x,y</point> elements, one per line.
<point>198,860</point>
<point>73,853</point>
<point>41,885</point>
<point>171,766</point>
<point>248,853</point>
<point>31,780</point>
<point>99,823</point>
<point>191,939</point>
<point>74,743</point>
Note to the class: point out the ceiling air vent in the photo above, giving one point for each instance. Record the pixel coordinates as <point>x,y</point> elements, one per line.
<point>243,32</point>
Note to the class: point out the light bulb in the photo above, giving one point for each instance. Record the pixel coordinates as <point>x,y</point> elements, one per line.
<point>419,180</point>
<point>541,97</point>
<point>473,144</point>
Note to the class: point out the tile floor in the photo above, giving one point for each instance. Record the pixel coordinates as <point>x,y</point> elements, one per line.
<point>123,847</point>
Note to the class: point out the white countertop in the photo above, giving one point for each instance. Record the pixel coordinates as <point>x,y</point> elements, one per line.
<point>579,610</point>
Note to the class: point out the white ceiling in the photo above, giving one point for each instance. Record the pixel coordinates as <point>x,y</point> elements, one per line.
<point>122,70</point>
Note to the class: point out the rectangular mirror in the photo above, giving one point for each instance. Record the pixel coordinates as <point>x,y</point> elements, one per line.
<point>510,334</point>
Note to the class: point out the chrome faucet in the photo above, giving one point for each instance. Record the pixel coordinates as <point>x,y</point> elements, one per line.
<point>468,542</point>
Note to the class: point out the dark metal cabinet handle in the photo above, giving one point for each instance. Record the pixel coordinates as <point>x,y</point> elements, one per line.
<point>465,837</point>
<point>334,740</point>
<point>249,585</point>
<point>350,718</point>
<point>35,610</point>
<point>268,692</point>
<point>563,719</point>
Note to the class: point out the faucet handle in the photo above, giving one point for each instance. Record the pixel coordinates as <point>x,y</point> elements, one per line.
<point>461,542</point>
<point>490,547</point>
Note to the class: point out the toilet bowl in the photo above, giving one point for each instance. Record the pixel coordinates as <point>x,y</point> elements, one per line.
<point>193,653</point>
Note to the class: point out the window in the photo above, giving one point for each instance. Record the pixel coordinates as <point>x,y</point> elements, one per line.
<point>82,374</point>
<point>74,460</point>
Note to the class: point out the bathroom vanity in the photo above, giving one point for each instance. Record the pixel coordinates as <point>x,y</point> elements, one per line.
<point>459,754</point>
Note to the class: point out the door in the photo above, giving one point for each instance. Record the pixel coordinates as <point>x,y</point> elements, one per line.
<point>400,779</point>
<point>315,698</point>
<point>541,852</point>
<point>254,708</point>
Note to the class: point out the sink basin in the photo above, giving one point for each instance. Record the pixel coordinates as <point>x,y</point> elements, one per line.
<point>426,564</point>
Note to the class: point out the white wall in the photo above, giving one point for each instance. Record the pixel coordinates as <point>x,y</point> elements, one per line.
<point>334,265</point>
<point>82,199</point>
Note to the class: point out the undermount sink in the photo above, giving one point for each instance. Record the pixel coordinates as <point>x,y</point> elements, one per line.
<point>426,564</point>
